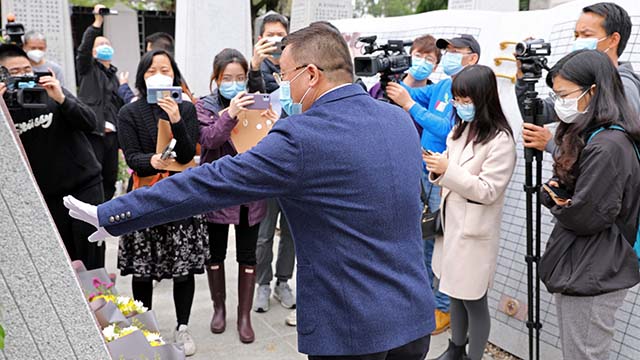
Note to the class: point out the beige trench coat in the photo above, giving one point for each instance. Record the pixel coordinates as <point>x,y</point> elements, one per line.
<point>473,192</point>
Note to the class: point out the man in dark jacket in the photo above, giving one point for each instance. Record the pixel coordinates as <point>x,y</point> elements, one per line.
<point>99,89</point>
<point>61,158</point>
<point>603,26</point>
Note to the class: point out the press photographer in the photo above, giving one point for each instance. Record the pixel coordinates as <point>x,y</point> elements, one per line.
<point>604,27</point>
<point>52,129</point>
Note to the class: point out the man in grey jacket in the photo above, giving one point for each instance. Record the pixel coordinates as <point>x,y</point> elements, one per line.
<point>603,26</point>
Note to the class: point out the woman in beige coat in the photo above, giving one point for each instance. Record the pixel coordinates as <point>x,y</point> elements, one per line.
<point>473,173</point>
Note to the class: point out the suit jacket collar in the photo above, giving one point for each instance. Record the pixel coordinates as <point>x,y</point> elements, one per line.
<point>340,93</point>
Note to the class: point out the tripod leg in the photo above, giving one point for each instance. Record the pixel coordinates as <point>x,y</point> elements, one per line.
<point>529,255</point>
<point>538,324</point>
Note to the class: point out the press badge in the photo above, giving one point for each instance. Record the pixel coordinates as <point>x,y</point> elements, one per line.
<point>441,106</point>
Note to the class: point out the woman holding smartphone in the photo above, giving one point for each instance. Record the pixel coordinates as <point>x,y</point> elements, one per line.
<point>176,250</point>
<point>589,263</point>
<point>474,173</point>
<point>218,115</point>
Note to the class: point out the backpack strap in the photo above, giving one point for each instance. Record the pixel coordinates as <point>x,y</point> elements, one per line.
<point>615,127</point>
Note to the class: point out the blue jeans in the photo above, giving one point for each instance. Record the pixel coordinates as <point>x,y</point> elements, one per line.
<point>442,300</point>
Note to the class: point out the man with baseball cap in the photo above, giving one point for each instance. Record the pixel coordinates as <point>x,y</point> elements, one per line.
<point>430,106</point>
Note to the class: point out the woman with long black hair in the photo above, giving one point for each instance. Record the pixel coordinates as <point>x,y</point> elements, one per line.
<point>589,263</point>
<point>179,249</point>
<point>474,173</point>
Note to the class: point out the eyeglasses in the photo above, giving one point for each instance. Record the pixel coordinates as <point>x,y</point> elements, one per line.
<point>457,103</point>
<point>561,99</point>
<point>279,77</point>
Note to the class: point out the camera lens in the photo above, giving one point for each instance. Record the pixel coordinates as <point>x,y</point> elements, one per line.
<point>175,94</point>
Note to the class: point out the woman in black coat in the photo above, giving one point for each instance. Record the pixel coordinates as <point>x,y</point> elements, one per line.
<point>176,250</point>
<point>589,262</point>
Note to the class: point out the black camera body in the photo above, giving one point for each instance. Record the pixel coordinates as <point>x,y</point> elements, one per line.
<point>13,31</point>
<point>532,54</point>
<point>393,61</point>
<point>23,92</point>
<point>391,64</point>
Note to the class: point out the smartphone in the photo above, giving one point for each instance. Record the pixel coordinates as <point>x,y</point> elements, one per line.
<point>40,74</point>
<point>166,153</point>
<point>174,92</point>
<point>107,11</point>
<point>559,193</point>
<point>260,102</point>
<point>428,152</point>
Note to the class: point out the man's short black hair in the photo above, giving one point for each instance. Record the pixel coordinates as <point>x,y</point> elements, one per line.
<point>161,41</point>
<point>10,51</point>
<point>616,19</point>
<point>274,18</point>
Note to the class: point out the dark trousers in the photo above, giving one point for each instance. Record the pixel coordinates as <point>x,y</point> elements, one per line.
<point>415,350</point>
<point>183,291</point>
<point>74,233</point>
<point>246,239</point>
<point>106,150</point>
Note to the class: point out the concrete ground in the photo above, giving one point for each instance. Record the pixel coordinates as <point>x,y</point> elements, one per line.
<point>274,339</point>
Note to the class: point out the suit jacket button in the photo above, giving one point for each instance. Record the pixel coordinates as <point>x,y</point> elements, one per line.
<point>112,219</point>
<point>128,214</point>
<point>117,217</point>
<point>122,216</point>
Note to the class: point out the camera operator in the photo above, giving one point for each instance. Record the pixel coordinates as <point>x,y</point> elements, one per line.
<point>602,26</point>
<point>99,89</point>
<point>430,106</point>
<point>55,141</point>
<point>35,45</point>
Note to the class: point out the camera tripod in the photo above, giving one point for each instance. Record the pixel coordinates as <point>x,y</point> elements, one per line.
<point>532,114</point>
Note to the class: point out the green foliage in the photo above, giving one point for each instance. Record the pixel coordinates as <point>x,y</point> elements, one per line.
<point>2,334</point>
<point>386,8</point>
<point>431,5</point>
<point>164,5</point>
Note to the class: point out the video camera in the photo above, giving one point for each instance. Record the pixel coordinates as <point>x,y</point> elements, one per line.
<point>13,31</point>
<point>394,59</point>
<point>23,92</point>
<point>391,64</point>
<point>532,55</point>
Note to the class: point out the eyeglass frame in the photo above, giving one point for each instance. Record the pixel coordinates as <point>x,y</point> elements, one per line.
<point>279,76</point>
<point>562,98</point>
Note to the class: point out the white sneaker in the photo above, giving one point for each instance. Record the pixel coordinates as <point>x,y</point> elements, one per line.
<point>261,302</point>
<point>291,319</point>
<point>183,336</point>
<point>284,294</point>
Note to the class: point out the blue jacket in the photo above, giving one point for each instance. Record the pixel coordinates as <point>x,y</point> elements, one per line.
<point>433,112</point>
<point>347,175</point>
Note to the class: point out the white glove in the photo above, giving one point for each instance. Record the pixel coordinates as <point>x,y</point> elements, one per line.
<point>87,213</point>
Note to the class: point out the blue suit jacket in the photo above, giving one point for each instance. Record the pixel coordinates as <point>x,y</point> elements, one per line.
<point>347,175</point>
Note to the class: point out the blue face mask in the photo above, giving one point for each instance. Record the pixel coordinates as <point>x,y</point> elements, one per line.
<point>586,43</point>
<point>451,63</point>
<point>420,68</point>
<point>229,89</point>
<point>104,52</point>
<point>286,102</point>
<point>466,112</point>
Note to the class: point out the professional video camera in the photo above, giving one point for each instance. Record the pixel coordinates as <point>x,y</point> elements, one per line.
<point>13,31</point>
<point>532,55</point>
<point>390,64</point>
<point>23,91</point>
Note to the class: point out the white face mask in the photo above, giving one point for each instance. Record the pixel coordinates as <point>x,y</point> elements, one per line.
<point>35,55</point>
<point>567,109</point>
<point>158,81</point>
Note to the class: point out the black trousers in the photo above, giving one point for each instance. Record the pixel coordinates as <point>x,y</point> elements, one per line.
<point>106,150</point>
<point>74,232</point>
<point>246,240</point>
<point>415,350</point>
<point>183,293</point>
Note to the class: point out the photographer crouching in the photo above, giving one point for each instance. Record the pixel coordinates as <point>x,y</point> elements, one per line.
<point>52,125</point>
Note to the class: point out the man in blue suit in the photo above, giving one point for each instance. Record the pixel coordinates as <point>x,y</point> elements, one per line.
<point>346,172</point>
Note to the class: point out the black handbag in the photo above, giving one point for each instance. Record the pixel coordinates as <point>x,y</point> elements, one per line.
<point>430,220</point>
